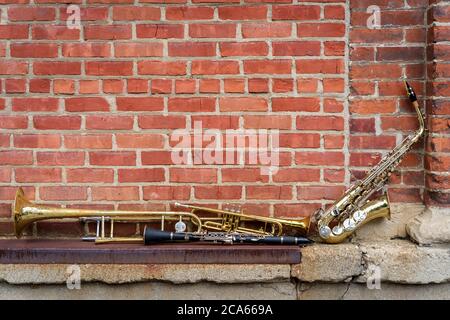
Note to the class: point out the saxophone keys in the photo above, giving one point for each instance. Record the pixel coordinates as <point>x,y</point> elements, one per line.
<point>337,230</point>
<point>325,232</point>
<point>349,224</point>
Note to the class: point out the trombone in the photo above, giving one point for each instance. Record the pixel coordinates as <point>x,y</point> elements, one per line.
<point>25,212</point>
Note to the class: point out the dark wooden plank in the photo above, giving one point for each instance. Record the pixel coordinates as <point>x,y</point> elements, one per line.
<point>72,251</point>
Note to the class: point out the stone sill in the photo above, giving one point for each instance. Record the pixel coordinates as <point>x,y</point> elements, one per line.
<point>399,261</point>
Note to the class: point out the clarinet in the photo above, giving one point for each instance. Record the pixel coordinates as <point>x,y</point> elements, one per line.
<point>152,236</point>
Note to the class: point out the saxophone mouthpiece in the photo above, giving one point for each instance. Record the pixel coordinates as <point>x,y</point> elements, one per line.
<point>411,94</point>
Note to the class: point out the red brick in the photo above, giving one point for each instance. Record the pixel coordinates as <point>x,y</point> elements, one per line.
<point>166,192</point>
<point>16,157</point>
<point>243,175</point>
<point>5,175</point>
<point>34,50</point>
<point>98,141</point>
<point>296,48</point>
<point>307,85</point>
<point>320,158</point>
<point>362,125</point>
<point>192,104</point>
<point>192,49</point>
<point>197,175</point>
<point>320,29</point>
<point>57,122</point>
<point>376,36</point>
<point>295,12</point>
<point>138,49</point>
<point>112,122</point>
<point>299,140</point>
<point>269,192</point>
<point>64,193</point>
<point>113,86</point>
<point>258,85</point>
<point>97,14</point>
<point>371,142</point>
<point>13,67</point>
<point>107,32</point>
<point>399,123</point>
<point>268,122</point>
<point>52,32</point>
<point>209,86</point>
<point>160,31</point>
<point>89,175</point>
<point>13,122</point>
<point>25,13</point>
<point>133,13</point>
<point>156,158</point>
<point>185,85</point>
<point>208,30</point>
<point>333,85</point>
<point>109,68</point>
<point>266,30</point>
<point>140,104</point>
<point>334,48</point>
<point>372,106</point>
<point>243,13</point>
<point>320,123</point>
<point>297,175</point>
<point>282,85</point>
<point>115,193</point>
<point>48,141</point>
<point>222,122</point>
<point>161,122</point>
<point>14,31</point>
<point>331,66</point>
<point>39,85</point>
<point>189,13</point>
<point>112,158</point>
<point>38,174</point>
<point>243,104</point>
<point>333,141</point>
<point>360,88</point>
<point>228,49</point>
<point>364,159</point>
<point>60,158</point>
<point>267,67</point>
<point>218,192</point>
<point>234,85</point>
<point>90,49</point>
<point>63,86</point>
<point>400,53</point>
<point>294,210</point>
<point>149,140</point>
<point>333,175</point>
<point>137,86</point>
<point>57,67</point>
<point>141,175</point>
<point>172,68</point>
<point>86,104</point>
<point>205,67</point>
<point>161,86</point>
<point>334,12</point>
<point>319,192</point>
<point>296,104</point>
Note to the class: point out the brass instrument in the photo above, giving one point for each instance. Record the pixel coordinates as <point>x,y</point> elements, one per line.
<point>235,221</point>
<point>26,212</point>
<point>353,209</point>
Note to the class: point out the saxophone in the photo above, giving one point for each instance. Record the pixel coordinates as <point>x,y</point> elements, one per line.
<point>354,209</point>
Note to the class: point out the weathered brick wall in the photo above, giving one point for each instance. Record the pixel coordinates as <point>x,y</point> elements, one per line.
<point>86,115</point>
<point>437,159</point>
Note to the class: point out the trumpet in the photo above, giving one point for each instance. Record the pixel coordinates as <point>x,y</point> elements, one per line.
<point>235,221</point>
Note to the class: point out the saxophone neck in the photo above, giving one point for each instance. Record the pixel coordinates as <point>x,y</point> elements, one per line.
<point>413,98</point>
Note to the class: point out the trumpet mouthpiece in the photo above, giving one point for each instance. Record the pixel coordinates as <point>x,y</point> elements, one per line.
<point>410,91</point>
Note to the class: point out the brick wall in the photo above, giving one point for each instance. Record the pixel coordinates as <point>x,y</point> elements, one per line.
<point>86,115</point>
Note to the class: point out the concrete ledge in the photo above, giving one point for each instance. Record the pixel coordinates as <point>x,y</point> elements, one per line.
<point>399,261</point>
